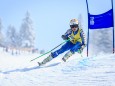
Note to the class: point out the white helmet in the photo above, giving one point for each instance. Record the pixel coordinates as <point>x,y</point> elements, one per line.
<point>74,22</point>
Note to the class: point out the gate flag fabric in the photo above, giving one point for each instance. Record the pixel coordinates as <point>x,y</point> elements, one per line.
<point>100,21</point>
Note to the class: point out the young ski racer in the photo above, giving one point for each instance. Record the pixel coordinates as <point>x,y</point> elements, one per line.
<point>76,43</point>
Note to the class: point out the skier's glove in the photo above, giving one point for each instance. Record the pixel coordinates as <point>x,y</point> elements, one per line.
<point>71,37</point>
<point>64,37</point>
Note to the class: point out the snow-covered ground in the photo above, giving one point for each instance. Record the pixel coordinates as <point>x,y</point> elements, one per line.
<point>17,70</point>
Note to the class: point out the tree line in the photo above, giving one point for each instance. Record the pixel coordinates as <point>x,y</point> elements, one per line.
<point>24,38</point>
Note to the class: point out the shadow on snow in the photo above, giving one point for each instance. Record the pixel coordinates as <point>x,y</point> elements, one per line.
<point>21,70</point>
<point>28,69</point>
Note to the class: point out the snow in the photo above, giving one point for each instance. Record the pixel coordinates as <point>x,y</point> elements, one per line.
<point>17,70</point>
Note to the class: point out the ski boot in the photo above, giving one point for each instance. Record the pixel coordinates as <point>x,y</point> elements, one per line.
<point>49,58</point>
<point>67,55</point>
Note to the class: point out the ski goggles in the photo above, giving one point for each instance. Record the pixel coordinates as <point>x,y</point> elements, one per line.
<point>74,26</point>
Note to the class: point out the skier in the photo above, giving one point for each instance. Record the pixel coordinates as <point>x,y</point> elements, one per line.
<point>76,43</point>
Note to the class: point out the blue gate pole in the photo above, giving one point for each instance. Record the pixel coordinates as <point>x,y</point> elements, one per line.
<point>88,29</point>
<point>113,26</point>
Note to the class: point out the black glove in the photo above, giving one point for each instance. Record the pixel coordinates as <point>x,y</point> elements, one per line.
<point>64,37</point>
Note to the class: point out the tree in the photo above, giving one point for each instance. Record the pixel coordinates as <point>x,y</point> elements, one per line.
<point>42,51</point>
<point>11,36</point>
<point>80,21</point>
<point>102,40</point>
<point>27,34</point>
<point>1,35</point>
<point>0,25</point>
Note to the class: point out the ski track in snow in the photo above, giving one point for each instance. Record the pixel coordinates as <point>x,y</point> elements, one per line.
<point>87,71</point>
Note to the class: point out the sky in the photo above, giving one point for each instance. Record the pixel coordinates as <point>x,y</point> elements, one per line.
<point>50,17</point>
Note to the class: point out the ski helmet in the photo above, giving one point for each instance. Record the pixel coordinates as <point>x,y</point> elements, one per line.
<point>74,22</point>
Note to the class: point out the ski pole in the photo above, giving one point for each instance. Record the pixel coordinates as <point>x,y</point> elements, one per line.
<point>50,50</point>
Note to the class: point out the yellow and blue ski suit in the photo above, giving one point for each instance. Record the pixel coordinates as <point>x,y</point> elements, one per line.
<point>72,45</point>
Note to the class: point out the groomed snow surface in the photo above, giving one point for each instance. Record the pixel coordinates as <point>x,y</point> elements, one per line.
<point>17,70</point>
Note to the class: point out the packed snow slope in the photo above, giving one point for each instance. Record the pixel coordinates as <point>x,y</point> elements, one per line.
<point>17,70</point>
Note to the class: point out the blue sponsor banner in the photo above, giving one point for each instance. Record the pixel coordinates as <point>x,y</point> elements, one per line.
<point>100,21</point>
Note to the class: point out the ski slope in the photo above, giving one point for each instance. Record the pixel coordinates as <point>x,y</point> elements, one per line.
<point>17,70</point>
